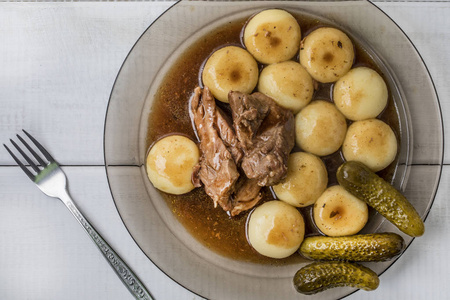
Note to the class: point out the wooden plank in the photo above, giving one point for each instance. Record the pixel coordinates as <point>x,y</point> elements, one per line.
<point>425,25</point>
<point>59,63</point>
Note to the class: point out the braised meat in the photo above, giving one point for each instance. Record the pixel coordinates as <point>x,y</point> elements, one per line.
<point>228,135</point>
<point>236,161</point>
<point>247,195</point>
<point>248,113</point>
<point>217,169</point>
<point>266,135</point>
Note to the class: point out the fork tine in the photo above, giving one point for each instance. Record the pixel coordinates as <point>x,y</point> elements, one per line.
<point>38,158</point>
<point>40,147</point>
<point>29,174</point>
<point>32,164</point>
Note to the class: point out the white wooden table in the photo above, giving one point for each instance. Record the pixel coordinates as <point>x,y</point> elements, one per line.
<point>58,62</point>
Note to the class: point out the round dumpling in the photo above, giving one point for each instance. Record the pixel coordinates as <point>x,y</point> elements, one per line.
<point>230,68</point>
<point>339,213</point>
<point>306,180</point>
<point>360,94</point>
<point>288,84</point>
<point>170,164</point>
<point>272,36</point>
<point>276,229</point>
<point>320,128</point>
<point>371,142</point>
<point>327,54</point>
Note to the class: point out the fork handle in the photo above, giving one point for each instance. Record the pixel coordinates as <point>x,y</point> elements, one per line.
<point>124,272</point>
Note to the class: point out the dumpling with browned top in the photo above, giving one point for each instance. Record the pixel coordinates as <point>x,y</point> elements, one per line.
<point>339,213</point>
<point>276,229</point>
<point>272,36</point>
<point>327,54</point>
<point>230,68</point>
<point>170,164</point>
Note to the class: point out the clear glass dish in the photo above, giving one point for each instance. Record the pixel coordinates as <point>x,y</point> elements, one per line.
<point>145,214</point>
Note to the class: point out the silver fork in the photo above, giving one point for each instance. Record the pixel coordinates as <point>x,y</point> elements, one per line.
<point>51,180</point>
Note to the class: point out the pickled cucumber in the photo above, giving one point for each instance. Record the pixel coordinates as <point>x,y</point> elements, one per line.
<point>359,180</point>
<point>320,276</point>
<point>361,247</point>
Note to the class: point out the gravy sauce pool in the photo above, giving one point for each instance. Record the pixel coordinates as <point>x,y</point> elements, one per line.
<point>170,114</point>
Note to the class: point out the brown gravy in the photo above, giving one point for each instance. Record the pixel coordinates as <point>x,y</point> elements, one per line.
<point>170,114</point>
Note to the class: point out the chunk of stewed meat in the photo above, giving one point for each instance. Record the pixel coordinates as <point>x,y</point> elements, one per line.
<point>247,195</point>
<point>217,169</point>
<point>266,134</point>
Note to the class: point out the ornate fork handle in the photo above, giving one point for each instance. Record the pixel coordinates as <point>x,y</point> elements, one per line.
<point>52,181</point>
<point>130,280</point>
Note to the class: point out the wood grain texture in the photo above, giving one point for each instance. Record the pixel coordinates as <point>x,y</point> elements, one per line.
<point>58,63</point>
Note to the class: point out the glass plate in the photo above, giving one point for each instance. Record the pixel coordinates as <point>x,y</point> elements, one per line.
<point>146,216</point>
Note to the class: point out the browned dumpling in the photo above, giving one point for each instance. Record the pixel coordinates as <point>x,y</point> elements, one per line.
<point>272,36</point>
<point>327,54</point>
<point>276,229</point>
<point>170,164</point>
<point>339,213</point>
<point>228,69</point>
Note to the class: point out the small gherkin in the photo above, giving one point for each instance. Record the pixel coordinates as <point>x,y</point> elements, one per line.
<point>320,276</point>
<point>361,247</point>
<point>364,184</point>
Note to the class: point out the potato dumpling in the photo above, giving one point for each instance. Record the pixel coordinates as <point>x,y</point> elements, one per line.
<point>371,142</point>
<point>339,213</point>
<point>170,162</point>
<point>272,36</point>
<point>306,180</point>
<point>276,229</point>
<point>288,84</point>
<point>360,94</point>
<point>327,54</point>
<point>320,128</point>
<point>230,68</point>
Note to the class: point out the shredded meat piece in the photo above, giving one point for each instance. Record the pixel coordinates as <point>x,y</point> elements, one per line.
<point>196,176</point>
<point>247,195</point>
<point>266,134</point>
<point>236,161</point>
<point>248,114</point>
<point>228,136</point>
<point>217,169</point>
